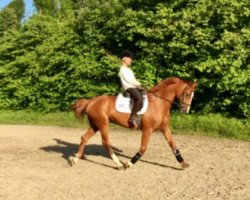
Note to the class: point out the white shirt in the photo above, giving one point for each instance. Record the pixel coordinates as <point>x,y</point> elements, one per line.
<point>127,78</point>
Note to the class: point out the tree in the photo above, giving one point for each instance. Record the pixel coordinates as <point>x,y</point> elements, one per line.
<point>19,7</point>
<point>49,7</point>
<point>56,8</point>
<point>73,51</point>
<point>11,16</point>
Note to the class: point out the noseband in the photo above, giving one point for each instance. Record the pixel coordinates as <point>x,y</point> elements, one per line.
<point>182,98</point>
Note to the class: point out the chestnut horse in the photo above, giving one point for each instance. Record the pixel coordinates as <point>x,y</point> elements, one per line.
<point>101,110</point>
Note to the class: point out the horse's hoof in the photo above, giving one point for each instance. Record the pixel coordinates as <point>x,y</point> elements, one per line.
<point>127,165</point>
<point>72,161</point>
<point>184,165</point>
<point>121,167</point>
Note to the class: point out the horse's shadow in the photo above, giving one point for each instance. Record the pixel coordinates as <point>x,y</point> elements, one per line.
<point>68,149</point>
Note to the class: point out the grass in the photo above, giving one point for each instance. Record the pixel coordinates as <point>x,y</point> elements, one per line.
<point>63,119</point>
<point>213,125</point>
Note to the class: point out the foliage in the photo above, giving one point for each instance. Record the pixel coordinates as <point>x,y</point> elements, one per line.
<point>18,7</point>
<point>49,67</point>
<point>71,49</point>
<point>11,16</point>
<point>50,7</point>
<point>54,8</point>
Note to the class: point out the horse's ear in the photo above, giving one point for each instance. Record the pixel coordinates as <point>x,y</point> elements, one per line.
<point>195,83</point>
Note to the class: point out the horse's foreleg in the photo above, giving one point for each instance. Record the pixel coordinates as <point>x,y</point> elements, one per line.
<point>144,144</point>
<point>169,137</point>
<point>106,144</point>
<point>84,139</point>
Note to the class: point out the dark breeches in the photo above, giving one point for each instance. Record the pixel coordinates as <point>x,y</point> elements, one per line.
<point>137,96</point>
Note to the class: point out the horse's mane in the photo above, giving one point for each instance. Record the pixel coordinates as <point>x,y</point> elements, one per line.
<point>164,83</point>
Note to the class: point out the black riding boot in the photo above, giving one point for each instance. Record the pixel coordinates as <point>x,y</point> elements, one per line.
<point>132,118</point>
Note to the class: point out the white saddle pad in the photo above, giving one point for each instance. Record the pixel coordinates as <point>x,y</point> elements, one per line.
<point>124,104</point>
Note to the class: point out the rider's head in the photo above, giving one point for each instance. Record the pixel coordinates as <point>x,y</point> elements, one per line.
<point>126,57</point>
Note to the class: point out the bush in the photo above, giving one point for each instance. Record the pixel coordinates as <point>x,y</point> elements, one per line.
<point>54,59</point>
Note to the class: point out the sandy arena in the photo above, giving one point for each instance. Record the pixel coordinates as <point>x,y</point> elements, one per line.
<point>33,165</point>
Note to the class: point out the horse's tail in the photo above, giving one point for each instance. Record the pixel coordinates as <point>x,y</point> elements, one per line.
<point>79,107</point>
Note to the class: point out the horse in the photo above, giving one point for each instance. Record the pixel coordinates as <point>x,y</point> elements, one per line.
<point>101,111</point>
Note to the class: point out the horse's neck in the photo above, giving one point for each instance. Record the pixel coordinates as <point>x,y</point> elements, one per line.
<point>165,92</point>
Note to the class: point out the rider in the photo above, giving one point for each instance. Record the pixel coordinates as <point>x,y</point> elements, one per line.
<point>130,84</point>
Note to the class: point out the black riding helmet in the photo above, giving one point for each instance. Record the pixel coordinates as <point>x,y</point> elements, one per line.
<point>126,53</point>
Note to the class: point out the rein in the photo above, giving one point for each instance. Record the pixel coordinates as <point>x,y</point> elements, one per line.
<point>172,102</point>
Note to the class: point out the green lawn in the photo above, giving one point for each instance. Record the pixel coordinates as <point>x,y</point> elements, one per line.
<point>213,125</point>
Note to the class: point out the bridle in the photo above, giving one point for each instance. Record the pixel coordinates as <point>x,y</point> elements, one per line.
<point>180,103</point>
<point>182,98</point>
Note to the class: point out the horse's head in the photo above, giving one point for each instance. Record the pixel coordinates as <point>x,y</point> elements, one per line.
<point>176,88</point>
<point>186,95</point>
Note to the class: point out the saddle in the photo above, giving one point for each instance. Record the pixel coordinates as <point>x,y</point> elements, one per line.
<point>124,103</point>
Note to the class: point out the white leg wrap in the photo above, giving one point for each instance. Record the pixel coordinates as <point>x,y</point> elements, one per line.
<point>116,160</point>
<point>75,159</point>
<point>130,164</point>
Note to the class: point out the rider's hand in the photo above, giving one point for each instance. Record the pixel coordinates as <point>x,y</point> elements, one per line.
<point>141,87</point>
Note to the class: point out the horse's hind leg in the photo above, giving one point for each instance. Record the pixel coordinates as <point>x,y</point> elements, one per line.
<point>84,139</point>
<point>106,144</point>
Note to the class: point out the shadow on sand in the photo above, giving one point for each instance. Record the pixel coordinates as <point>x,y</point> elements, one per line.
<point>68,149</point>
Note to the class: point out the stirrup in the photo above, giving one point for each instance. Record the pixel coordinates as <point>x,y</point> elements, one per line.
<point>132,121</point>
